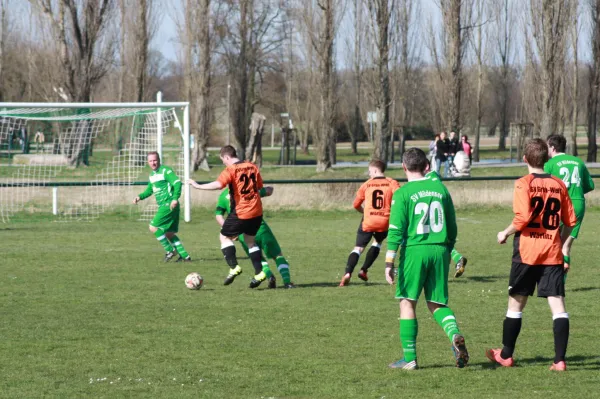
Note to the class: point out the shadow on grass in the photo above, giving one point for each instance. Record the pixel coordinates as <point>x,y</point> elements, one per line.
<point>478,279</point>
<point>332,284</point>
<point>584,289</point>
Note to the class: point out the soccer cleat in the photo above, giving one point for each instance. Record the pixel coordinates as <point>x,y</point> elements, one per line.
<point>345,280</point>
<point>363,275</point>
<point>170,255</point>
<point>289,285</point>
<point>494,356</point>
<point>404,365</point>
<point>256,280</point>
<point>182,259</point>
<point>233,273</point>
<point>460,267</point>
<point>272,282</point>
<point>460,351</point>
<point>560,366</point>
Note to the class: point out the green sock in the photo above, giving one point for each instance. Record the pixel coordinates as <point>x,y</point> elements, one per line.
<point>455,255</point>
<point>408,337</point>
<point>446,319</point>
<point>266,269</point>
<point>164,241</point>
<point>284,269</point>
<point>179,246</point>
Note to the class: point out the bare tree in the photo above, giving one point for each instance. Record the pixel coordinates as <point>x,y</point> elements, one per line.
<point>3,35</point>
<point>575,89</point>
<point>550,32</point>
<point>451,11</point>
<point>142,39</point>
<point>594,70</point>
<point>203,85</point>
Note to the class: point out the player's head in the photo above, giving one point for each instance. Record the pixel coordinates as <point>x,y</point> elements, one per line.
<point>414,160</point>
<point>228,155</point>
<point>556,144</point>
<point>536,153</point>
<point>376,168</point>
<point>154,160</point>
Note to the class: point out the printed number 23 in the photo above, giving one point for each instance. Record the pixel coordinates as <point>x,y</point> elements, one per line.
<point>432,217</point>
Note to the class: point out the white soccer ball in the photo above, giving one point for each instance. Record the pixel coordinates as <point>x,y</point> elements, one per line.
<point>194,281</point>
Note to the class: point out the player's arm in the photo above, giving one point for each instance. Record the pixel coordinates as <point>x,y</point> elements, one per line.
<point>521,211</point>
<point>396,233</point>
<point>175,182</point>
<point>215,185</point>
<point>144,194</point>
<point>220,218</point>
<point>359,199</point>
<point>586,179</point>
<point>451,226</point>
<point>266,191</point>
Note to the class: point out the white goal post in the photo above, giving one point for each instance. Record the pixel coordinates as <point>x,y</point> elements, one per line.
<point>46,145</point>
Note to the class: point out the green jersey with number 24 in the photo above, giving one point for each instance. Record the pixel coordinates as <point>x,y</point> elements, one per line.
<point>573,173</point>
<point>422,213</point>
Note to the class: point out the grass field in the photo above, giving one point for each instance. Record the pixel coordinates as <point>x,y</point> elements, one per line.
<point>90,310</point>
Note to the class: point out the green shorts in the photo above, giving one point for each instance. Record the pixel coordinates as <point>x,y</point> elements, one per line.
<point>579,207</point>
<point>166,219</point>
<point>424,267</point>
<point>266,240</point>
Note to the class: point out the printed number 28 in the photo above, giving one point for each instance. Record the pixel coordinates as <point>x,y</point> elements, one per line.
<point>432,217</point>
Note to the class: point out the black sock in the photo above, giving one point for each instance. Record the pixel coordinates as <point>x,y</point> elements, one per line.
<point>370,258</point>
<point>230,258</point>
<point>256,258</point>
<point>352,261</point>
<point>510,332</point>
<point>561,338</point>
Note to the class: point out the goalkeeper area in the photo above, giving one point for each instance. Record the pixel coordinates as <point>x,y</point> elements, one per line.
<point>44,147</point>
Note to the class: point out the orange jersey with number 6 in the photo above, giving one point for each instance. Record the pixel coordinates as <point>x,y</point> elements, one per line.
<point>540,203</point>
<point>244,181</point>
<point>376,196</point>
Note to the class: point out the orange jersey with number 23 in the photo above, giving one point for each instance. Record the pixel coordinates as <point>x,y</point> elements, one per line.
<point>244,181</point>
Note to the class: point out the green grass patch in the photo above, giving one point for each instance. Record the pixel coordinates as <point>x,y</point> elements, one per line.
<point>90,310</point>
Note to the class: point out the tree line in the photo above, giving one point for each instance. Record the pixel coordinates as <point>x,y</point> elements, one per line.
<point>455,65</point>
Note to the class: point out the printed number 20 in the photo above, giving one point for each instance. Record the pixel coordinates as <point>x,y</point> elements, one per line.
<point>432,217</point>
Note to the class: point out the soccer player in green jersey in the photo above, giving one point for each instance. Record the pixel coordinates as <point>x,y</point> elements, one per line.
<point>576,177</point>
<point>166,187</point>
<point>265,239</point>
<point>423,223</point>
<point>457,257</point>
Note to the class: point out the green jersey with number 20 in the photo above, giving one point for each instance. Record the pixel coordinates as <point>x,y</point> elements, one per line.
<point>573,173</point>
<point>422,213</point>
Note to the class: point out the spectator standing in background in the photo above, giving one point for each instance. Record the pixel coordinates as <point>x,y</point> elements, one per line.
<point>466,147</point>
<point>441,154</point>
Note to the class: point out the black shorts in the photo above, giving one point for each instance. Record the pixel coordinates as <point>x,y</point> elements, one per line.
<point>550,280</point>
<point>235,226</point>
<point>363,237</point>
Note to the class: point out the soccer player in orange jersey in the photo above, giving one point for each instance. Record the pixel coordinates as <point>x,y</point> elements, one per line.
<point>244,182</point>
<point>373,200</point>
<point>541,202</point>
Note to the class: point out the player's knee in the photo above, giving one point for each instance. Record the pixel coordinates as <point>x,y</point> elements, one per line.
<point>152,229</point>
<point>432,306</point>
<point>359,250</point>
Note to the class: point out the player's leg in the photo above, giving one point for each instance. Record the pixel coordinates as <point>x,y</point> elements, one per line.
<point>436,260</point>
<point>372,255</point>
<point>522,281</point>
<point>362,239</point>
<point>460,261</point>
<point>172,236</point>
<point>158,226</point>
<point>250,228</point>
<point>265,265</point>
<point>270,246</point>
<point>231,229</point>
<point>408,288</point>
<point>552,286</point>
<point>579,207</point>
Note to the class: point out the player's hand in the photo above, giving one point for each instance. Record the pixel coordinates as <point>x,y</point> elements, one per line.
<point>269,190</point>
<point>389,273</point>
<point>136,200</point>
<point>174,204</point>
<point>502,236</point>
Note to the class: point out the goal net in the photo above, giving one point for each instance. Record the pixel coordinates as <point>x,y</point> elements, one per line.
<point>78,161</point>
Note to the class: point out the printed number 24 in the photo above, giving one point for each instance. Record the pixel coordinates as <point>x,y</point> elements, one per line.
<point>574,178</point>
<point>432,217</point>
